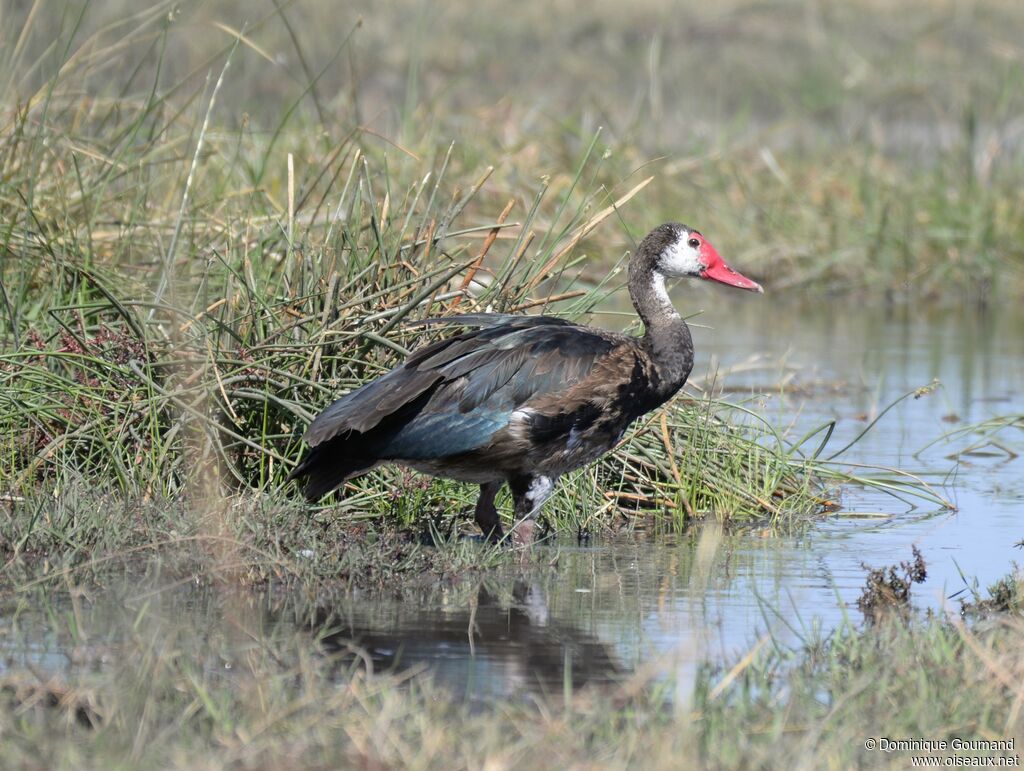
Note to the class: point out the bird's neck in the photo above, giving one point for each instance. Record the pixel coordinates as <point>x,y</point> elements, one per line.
<point>666,336</point>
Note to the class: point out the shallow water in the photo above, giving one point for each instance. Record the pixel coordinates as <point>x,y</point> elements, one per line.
<point>707,595</point>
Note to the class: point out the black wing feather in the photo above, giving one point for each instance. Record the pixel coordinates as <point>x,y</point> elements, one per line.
<point>451,396</point>
<point>529,354</point>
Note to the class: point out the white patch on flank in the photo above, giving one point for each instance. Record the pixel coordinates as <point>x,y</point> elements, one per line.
<point>539,491</point>
<point>519,424</point>
<point>680,259</point>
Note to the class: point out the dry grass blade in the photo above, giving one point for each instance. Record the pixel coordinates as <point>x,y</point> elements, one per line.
<point>492,236</point>
<point>582,231</point>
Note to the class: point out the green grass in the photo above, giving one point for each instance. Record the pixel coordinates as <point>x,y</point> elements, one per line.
<point>212,380</point>
<point>891,167</point>
<point>181,294</point>
<point>173,331</point>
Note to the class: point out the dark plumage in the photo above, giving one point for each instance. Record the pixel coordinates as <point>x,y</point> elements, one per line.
<point>519,399</point>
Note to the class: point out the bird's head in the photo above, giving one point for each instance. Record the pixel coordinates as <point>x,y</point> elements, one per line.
<point>682,252</point>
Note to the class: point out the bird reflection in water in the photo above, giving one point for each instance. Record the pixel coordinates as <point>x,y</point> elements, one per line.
<point>486,649</point>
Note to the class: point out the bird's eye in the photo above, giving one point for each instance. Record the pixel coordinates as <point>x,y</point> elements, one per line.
<point>693,242</point>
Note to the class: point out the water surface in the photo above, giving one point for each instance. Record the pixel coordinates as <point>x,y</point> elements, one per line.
<point>710,594</point>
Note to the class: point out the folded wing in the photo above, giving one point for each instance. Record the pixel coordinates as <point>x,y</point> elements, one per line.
<point>449,397</point>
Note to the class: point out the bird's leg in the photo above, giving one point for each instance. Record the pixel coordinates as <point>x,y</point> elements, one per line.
<point>487,513</point>
<point>528,494</point>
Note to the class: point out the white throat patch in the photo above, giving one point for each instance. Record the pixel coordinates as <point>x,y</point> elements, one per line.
<point>658,287</point>
<point>681,259</point>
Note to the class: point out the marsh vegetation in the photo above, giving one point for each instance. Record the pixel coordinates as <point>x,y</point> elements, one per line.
<point>215,219</point>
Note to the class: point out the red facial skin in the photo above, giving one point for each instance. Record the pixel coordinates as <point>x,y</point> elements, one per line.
<point>716,269</point>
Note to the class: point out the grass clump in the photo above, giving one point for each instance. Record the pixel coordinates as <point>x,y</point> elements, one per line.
<point>887,590</point>
<point>1004,596</point>
<point>181,297</point>
<point>148,395</point>
<point>183,287</point>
